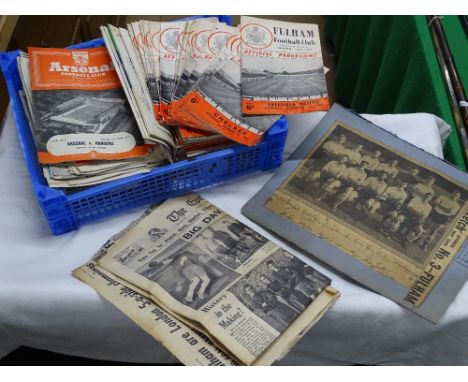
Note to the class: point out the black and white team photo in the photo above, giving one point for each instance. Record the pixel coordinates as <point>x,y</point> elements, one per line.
<point>377,191</point>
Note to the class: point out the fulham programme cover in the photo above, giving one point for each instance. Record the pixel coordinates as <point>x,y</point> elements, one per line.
<point>282,68</point>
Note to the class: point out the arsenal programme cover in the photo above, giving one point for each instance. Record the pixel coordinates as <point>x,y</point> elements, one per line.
<point>80,109</point>
<point>378,209</point>
<point>282,68</point>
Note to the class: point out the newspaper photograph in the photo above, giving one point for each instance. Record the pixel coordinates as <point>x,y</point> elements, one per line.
<point>205,267</point>
<point>282,67</point>
<point>80,109</point>
<point>378,205</point>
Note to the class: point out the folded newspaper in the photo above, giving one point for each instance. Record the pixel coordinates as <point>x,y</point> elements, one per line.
<point>209,288</point>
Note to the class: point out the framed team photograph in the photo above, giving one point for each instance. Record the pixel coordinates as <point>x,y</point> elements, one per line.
<point>375,207</point>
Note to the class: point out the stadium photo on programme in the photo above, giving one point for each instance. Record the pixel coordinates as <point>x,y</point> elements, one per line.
<point>62,112</point>
<point>283,84</point>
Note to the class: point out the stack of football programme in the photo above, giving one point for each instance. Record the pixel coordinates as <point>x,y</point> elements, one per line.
<point>204,80</point>
<point>159,92</point>
<point>84,130</point>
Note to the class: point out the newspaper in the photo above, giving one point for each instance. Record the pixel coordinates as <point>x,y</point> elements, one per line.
<point>282,67</point>
<point>214,275</point>
<point>188,345</point>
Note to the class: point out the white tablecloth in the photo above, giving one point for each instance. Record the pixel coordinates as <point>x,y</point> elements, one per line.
<point>43,306</point>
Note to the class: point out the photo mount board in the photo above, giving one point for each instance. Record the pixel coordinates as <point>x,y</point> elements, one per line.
<point>443,291</point>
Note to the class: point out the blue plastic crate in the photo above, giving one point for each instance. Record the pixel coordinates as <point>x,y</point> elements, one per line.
<point>65,213</point>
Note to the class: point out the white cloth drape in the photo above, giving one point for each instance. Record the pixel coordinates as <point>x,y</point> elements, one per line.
<point>43,306</point>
